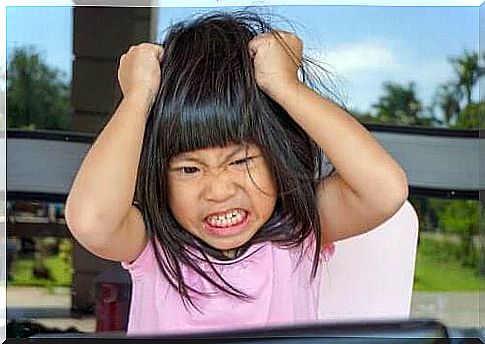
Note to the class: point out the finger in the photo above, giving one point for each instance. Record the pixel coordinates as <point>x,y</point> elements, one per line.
<point>285,36</point>
<point>286,45</point>
<point>159,50</point>
<point>154,48</point>
<point>280,35</point>
<point>151,46</point>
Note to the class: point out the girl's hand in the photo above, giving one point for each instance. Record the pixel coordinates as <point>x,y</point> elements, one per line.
<point>276,63</point>
<point>139,72</point>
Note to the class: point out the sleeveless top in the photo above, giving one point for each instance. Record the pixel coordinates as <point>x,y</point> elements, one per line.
<point>283,292</point>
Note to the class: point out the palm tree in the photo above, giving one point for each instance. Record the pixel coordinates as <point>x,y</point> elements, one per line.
<point>467,71</point>
<point>400,105</point>
<point>448,101</point>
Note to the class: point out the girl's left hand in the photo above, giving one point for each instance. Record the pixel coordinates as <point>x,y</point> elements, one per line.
<point>276,63</point>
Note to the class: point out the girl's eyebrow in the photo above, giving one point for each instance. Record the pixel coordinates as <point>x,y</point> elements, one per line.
<point>188,157</point>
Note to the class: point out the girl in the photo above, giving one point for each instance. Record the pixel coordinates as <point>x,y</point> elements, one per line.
<point>219,143</point>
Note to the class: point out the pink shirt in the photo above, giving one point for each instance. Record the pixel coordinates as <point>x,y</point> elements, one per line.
<point>284,292</point>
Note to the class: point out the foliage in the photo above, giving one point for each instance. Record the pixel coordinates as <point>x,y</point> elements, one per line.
<point>467,71</point>
<point>447,100</point>
<point>468,118</point>
<point>37,97</point>
<point>60,271</point>
<point>458,218</point>
<point>400,105</point>
<point>365,117</point>
<point>65,252</point>
<point>437,268</point>
<point>461,217</point>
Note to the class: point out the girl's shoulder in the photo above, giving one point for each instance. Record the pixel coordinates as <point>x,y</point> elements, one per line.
<point>146,261</point>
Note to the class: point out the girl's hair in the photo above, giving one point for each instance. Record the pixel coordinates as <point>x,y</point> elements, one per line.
<point>208,97</point>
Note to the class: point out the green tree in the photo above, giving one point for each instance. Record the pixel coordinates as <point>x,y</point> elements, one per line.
<point>400,105</point>
<point>456,99</point>
<point>468,118</point>
<point>37,97</point>
<point>447,99</point>
<point>364,117</point>
<point>425,212</point>
<point>2,99</point>
<point>461,217</point>
<point>467,72</point>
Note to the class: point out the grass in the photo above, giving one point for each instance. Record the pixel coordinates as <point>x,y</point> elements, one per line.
<point>433,275</point>
<point>436,271</point>
<point>60,272</point>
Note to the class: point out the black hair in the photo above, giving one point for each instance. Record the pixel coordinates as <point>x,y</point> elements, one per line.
<point>209,97</point>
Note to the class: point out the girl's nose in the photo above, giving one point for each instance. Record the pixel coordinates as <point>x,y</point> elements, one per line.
<point>220,187</point>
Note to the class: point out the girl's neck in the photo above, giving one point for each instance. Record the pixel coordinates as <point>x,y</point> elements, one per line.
<point>230,253</point>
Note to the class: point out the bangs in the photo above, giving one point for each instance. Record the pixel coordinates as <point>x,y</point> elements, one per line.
<point>209,120</point>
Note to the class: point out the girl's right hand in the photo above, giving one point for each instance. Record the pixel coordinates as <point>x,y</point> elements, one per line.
<point>139,72</point>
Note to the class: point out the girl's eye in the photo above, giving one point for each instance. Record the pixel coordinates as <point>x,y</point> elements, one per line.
<point>242,161</point>
<point>188,170</point>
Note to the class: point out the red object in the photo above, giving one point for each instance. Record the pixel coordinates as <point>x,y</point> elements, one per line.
<point>112,301</point>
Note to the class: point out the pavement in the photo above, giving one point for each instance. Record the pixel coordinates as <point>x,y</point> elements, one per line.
<point>51,308</point>
<point>454,309</point>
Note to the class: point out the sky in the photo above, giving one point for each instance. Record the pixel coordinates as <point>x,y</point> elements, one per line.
<point>363,46</point>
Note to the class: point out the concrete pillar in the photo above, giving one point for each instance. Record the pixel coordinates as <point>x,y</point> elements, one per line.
<point>101,35</point>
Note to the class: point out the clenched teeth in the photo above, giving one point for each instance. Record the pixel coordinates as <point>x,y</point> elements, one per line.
<point>229,219</point>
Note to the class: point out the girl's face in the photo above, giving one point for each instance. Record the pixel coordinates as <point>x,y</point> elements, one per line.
<point>212,195</point>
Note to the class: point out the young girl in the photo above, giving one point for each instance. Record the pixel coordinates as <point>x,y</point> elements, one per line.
<point>207,182</point>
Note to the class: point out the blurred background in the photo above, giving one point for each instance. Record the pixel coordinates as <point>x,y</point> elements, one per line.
<point>413,70</point>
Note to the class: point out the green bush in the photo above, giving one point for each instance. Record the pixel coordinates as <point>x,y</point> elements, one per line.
<point>441,250</point>
<point>60,271</point>
<point>445,250</point>
<point>440,267</point>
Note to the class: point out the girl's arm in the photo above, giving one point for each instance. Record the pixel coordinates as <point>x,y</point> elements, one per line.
<point>369,186</point>
<point>98,209</point>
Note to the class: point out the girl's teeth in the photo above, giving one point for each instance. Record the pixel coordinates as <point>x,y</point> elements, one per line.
<point>226,220</point>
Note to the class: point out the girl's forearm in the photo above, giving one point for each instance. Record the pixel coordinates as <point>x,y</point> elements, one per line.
<point>358,157</point>
<point>103,189</point>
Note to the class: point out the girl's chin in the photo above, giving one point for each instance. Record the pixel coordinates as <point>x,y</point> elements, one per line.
<point>229,244</point>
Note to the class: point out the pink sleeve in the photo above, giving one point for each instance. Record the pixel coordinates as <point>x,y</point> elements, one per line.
<point>144,262</point>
